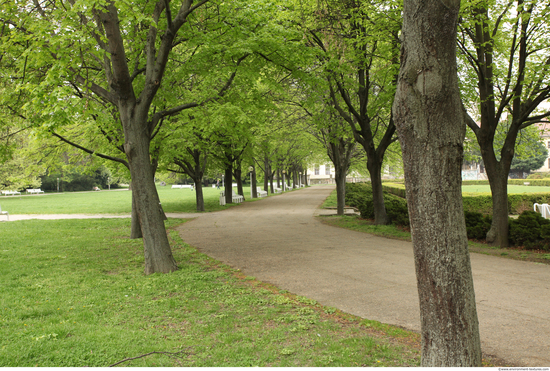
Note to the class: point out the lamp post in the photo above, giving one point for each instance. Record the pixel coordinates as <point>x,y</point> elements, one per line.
<point>284,183</point>
<point>250,169</point>
<point>300,179</point>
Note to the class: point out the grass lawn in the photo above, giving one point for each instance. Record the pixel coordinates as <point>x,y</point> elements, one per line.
<point>512,189</point>
<point>109,202</point>
<point>73,293</point>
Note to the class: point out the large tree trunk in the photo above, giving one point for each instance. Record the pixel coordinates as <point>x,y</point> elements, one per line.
<point>375,169</point>
<point>431,130</point>
<point>157,252</point>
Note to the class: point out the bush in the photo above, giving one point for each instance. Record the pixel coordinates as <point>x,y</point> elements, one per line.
<point>530,230</point>
<point>360,195</point>
<point>477,225</point>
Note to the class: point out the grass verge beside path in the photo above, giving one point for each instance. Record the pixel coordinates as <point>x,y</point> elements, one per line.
<point>73,293</point>
<point>107,202</point>
<point>355,223</point>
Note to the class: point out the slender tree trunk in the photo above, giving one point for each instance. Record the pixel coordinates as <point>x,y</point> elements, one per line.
<point>340,190</point>
<point>254,183</point>
<point>228,184</point>
<point>375,169</point>
<point>157,252</point>
<point>267,171</point>
<point>199,196</point>
<point>239,179</point>
<point>431,130</point>
<point>135,232</point>
<point>278,177</point>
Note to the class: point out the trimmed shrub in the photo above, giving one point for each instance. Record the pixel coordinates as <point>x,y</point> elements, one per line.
<point>360,195</point>
<point>527,230</point>
<point>477,225</point>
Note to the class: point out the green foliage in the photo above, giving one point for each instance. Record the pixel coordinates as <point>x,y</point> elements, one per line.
<point>360,195</point>
<point>539,175</point>
<point>530,230</point>
<point>477,225</point>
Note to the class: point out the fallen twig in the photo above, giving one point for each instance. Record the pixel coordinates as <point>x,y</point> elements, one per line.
<point>170,354</point>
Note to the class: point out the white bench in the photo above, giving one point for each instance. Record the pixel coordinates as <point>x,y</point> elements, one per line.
<point>543,209</point>
<point>13,193</point>
<point>277,190</point>
<point>34,191</point>
<point>260,192</point>
<point>234,197</point>
<point>4,213</point>
<point>182,186</point>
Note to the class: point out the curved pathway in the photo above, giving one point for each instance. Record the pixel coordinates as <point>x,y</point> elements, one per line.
<point>278,240</point>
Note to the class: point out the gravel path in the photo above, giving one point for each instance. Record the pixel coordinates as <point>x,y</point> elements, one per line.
<point>279,240</point>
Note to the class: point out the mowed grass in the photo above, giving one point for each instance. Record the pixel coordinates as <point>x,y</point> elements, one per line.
<point>73,293</point>
<point>512,189</point>
<point>109,202</point>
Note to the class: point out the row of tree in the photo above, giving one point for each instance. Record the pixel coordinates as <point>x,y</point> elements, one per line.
<point>177,85</point>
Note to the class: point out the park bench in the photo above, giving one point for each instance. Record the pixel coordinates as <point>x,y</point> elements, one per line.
<point>235,197</point>
<point>260,192</point>
<point>543,209</point>
<point>34,191</point>
<point>4,213</point>
<point>13,193</point>
<point>277,190</point>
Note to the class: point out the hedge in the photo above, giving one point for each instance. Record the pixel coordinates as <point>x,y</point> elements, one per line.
<point>530,229</point>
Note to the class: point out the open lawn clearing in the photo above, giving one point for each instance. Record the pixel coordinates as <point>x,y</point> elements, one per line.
<point>74,294</point>
<point>486,189</point>
<point>512,189</point>
<point>109,202</point>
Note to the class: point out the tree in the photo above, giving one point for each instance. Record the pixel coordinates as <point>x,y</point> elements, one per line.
<point>358,42</point>
<point>431,127</point>
<point>506,50</point>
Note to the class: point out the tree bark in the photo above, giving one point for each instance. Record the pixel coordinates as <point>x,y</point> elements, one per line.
<point>254,183</point>
<point>375,169</point>
<point>135,232</point>
<point>157,252</point>
<point>199,196</point>
<point>228,187</point>
<point>498,233</point>
<point>340,191</point>
<point>431,128</point>
<point>239,178</point>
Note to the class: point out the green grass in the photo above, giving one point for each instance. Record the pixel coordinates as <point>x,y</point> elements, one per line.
<point>73,293</point>
<point>486,189</point>
<point>512,189</point>
<point>108,202</point>
<point>357,224</point>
